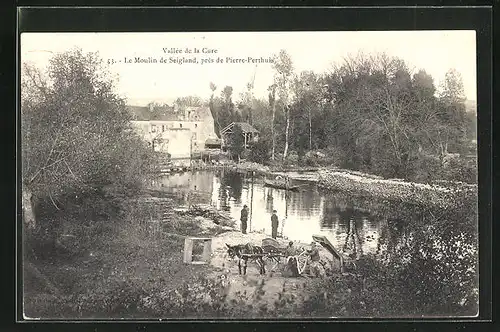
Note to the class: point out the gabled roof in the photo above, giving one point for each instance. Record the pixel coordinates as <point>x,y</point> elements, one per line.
<point>142,113</point>
<point>244,126</point>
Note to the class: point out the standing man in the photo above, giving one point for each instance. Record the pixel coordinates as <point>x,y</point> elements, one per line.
<point>244,218</point>
<point>274,225</point>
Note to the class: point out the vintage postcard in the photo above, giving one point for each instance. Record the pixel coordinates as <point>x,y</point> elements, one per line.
<point>238,175</point>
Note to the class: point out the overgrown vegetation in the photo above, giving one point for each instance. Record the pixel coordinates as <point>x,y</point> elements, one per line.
<point>425,265</point>
<point>82,162</point>
<point>79,151</point>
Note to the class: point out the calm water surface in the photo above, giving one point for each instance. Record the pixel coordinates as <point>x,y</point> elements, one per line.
<point>301,214</point>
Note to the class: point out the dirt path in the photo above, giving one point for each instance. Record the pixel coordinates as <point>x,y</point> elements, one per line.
<point>272,283</point>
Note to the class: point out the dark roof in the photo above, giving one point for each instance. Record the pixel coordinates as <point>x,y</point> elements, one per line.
<point>246,127</point>
<point>142,113</point>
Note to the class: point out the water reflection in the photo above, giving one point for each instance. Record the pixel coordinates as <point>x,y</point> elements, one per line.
<point>353,227</point>
<point>269,200</point>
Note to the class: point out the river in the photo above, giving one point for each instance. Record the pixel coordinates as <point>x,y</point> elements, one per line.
<point>353,230</point>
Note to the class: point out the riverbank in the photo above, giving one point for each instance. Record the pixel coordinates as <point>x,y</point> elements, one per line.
<point>137,271</point>
<point>429,195</point>
<point>126,264</point>
<point>262,292</point>
<point>440,194</point>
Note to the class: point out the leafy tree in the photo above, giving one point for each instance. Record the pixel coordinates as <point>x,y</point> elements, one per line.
<point>373,104</point>
<point>189,101</point>
<point>272,103</point>
<point>448,117</point>
<point>308,91</point>
<point>283,67</point>
<point>247,100</point>
<point>223,108</point>
<point>76,134</point>
<point>423,86</point>
<point>227,113</point>
<point>259,151</point>
<point>237,142</point>
<point>214,109</point>
<point>452,88</point>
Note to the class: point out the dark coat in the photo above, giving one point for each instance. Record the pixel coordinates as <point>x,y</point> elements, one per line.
<point>244,215</point>
<point>274,221</point>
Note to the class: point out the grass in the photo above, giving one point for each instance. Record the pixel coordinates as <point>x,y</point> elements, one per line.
<point>124,264</point>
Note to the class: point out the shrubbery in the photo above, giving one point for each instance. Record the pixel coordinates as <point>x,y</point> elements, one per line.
<point>259,151</point>
<point>82,161</point>
<point>429,268</point>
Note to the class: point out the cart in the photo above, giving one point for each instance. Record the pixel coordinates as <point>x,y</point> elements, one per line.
<point>274,253</point>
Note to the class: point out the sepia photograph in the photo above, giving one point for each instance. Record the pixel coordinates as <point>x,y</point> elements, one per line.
<point>249,175</point>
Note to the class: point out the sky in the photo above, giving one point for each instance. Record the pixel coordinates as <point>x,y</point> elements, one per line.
<point>141,83</point>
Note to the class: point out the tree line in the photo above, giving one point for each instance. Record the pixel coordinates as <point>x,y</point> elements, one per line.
<point>369,112</point>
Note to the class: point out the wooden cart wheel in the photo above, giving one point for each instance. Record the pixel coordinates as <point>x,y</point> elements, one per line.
<point>275,260</point>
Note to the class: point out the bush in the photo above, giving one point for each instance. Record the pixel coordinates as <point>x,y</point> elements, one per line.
<point>310,159</point>
<point>460,169</point>
<point>259,152</point>
<point>291,159</point>
<point>427,169</point>
<point>327,157</point>
<point>395,290</point>
<point>81,158</point>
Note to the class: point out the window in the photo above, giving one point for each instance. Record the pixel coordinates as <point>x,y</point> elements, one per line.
<point>162,128</point>
<point>180,125</point>
<point>196,125</point>
<point>153,128</point>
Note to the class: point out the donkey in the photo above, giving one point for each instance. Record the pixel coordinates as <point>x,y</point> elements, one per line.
<point>246,249</point>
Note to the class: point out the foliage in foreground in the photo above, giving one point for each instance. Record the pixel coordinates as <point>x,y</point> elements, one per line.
<point>81,159</point>
<point>425,265</point>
